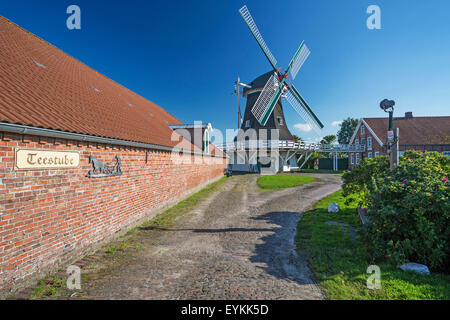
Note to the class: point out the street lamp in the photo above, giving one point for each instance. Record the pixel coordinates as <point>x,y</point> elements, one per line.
<point>388,106</point>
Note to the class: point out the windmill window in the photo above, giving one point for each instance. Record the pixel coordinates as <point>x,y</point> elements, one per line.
<point>247,124</point>
<point>280,121</point>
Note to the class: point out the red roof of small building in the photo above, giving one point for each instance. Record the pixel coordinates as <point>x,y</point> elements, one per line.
<point>415,130</point>
<point>41,86</point>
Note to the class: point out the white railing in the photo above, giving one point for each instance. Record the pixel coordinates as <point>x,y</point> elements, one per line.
<point>290,145</point>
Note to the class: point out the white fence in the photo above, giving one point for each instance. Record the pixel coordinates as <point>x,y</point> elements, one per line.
<point>290,145</point>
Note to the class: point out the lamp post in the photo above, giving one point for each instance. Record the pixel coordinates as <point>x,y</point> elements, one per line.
<point>392,140</point>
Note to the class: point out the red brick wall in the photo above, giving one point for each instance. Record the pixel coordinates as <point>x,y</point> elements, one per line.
<point>50,217</point>
<point>375,147</point>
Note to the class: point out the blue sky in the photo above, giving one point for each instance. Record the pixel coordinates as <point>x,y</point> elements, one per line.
<point>186,55</point>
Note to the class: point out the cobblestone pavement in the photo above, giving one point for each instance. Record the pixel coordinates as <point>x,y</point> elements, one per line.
<point>237,244</point>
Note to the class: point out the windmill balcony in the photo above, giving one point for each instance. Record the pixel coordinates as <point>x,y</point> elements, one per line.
<point>289,145</point>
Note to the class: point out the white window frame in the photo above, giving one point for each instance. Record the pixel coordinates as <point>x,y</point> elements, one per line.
<point>352,158</point>
<point>377,154</point>
<point>357,158</point>
<point>369,154</point>
<point>363,141</point>
<point>356,141</point>
<point>369,143</point>
<point>363,129</point>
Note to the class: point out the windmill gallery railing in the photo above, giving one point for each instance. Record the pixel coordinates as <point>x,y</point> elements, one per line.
<point>289,145</point>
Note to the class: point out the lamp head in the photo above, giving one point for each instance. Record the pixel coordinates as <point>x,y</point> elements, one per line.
<point>386,104</point>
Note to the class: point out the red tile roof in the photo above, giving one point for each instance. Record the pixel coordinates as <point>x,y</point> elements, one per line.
<point>414,131</point>
<point>42,86</point>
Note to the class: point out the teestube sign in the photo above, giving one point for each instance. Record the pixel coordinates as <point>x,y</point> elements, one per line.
<point>36,159</point>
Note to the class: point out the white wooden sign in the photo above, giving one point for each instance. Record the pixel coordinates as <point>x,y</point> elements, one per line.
<point>37,159</point>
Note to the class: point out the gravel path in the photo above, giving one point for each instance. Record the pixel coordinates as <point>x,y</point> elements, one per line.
<point>237,244</point>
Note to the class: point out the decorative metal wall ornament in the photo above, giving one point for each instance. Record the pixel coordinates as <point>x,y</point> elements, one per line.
<point>101,169</point>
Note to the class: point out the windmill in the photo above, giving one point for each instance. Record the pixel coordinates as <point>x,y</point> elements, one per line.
<point>278,85</point>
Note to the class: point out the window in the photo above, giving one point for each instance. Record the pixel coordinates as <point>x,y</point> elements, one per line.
<point>247,124</point>
<point>363,141</point>
<point>369,143</point>
<point>280,121</point>
<point>363,130</point>
<point>401,153</point>
<point>377,154</point>
<point>352,159</point>
<point>447,153</point>
<point>207,141</point>
<point>369,155</point>
<point>357,141</point>
<point>357,158</point>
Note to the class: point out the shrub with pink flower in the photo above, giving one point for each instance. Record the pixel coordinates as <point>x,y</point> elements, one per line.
<point>412,202</point>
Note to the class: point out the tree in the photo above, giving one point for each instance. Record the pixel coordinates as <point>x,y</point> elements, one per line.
<point>348,126</point>
<point>297,138</point>
<point>328,139</point>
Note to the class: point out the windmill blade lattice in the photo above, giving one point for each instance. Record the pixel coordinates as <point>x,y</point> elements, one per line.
<point>298,60</point>
<point>254,29</point>
<point>265,103</point>
<point>302,108</point>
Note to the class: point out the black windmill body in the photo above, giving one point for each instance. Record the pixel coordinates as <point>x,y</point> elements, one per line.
<point>276,119</point>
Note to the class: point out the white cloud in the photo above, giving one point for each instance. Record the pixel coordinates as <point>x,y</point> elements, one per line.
<point>336,123</point>
<point>303,127</point>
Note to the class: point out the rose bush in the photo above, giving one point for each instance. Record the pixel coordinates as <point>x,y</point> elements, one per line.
<point>408,207</point>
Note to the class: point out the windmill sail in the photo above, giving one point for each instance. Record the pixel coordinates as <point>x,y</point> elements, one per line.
<point>267,99</point>
<point>299,59</point>
<point>301,107</point>
<point>254,29</point>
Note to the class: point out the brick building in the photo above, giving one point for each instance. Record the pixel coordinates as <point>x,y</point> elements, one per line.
<point>82,159</point>
<point>416,133</point>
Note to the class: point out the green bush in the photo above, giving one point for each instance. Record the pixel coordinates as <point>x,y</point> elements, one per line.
<point>408,207</point>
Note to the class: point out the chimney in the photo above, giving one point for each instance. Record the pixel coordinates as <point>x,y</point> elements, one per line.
<point>408,115</point>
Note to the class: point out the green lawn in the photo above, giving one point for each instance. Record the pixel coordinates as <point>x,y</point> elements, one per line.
<point>340,264</point>
<point>283,181</point>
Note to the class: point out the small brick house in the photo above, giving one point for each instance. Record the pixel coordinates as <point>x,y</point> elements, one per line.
<point>415,133</point>
<point>82,158</point>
